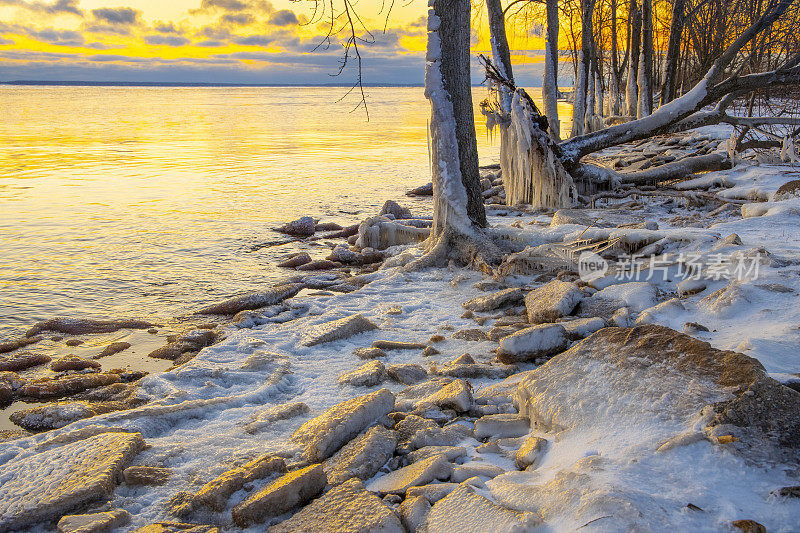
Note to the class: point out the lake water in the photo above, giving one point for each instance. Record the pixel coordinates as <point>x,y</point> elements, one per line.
<point>146,201</point>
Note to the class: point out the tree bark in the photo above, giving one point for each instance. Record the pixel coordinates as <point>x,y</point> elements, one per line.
<point>550,80</point>
<point>454,67</point>
<point>635,33</point>
<point>614,81</point>
<point>579,105</point>
<point>668,88</point>
<point>500,50</point>
<point>645,107</point>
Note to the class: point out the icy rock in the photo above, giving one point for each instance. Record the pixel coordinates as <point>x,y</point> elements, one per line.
<point>253,300</point>
<point>430,351</point>
<point>422,190</point>
<point>501,426</point>
<point>465,511</point>
<point>59,414</point>
<point>342,254</point>
<point>788,190</point>
<point>302,227</point>
<point>433,492</point>
<point>690,286</point>
<point>552,301</point>
<point>747,525</point>
<point>582,327</point>
<point>80,326</point>
<point>622,317</point>
<point>692,328</point>
<point>398,345</point>
<point>347,508</point>
<point>269,416</point>
<point>449,435</point>
<point>495,300</point>
<point>320,264</point>
<point>537,341</point>
<point>177,527</point>
<point>367,375</point>
<point>456,395</point>
<point>390,207</point>
<point>407,427</point>
<point>654,314</point>
<point>339,329</point>
<point>649,371</point>
<point>531,452</point>
<point>295,260</point>
<point>93,523</point>
<point>638,295</point>
<point>369,353</point>
<point>453,453</point>
<point>22,361</point>
<point>361,457</point>
<point>475,468</point>
<point>511,320</point>
<point>419,473</point>
<point>408,398</point>
<point>43,486</point>
<point>408,373</point>
<point>498,332</point>
<point>413,512</point>
<point>15,344</point>
<point>475,370</point>
<point>113,348</point>
<point>191,341</point>
<point>282,495</point>
<point>324,435</point>
<point>72,384</point>
<point>146,475</point>
<point>6,393</point>
<point>473,334</point>
<point>72,362</point>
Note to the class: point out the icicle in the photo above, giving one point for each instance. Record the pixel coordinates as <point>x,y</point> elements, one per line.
<point>789,151</point>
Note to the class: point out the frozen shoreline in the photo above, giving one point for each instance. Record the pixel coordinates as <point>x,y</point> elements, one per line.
<point>601,464</point>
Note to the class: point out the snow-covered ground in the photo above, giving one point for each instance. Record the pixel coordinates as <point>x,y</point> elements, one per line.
<point>602,471</point>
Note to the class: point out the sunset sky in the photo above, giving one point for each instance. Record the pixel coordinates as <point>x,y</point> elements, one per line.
<point>222,41</point>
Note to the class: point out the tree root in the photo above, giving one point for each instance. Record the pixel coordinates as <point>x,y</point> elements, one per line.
<point>477,251</point>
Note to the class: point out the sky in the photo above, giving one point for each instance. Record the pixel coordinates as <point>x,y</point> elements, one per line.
<point>223,41</point>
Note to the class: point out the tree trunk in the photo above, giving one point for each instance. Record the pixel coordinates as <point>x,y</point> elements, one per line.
<point>635,32</point>
<point>645,107</point>
<point>456,178</point>
<point>550,81</point>
<point>579,103</point>
<point>673,50</point>
<point>614,81</point>
<point>500,50</point>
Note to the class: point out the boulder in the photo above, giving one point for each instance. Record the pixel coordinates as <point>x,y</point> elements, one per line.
<point>322,436</point>
<point>790,189</point>
<point>449,435</point>
<point>433,492</point>
<point>42,486</point>
<point>302,227</point>
<point>456,395</point>
<point>72,362</point>
<point>637,295</point>
<point>422,190</point>
<point>530,343</point>
<point>22,361</point>
<point>419,473</point>
<point>582,327</point>
<point>531,452</point>
<point>552,301</point>
<point>367,375</point>
<point>253,300</point>
<point>362,457</point>
<point>295,260</point>
<point>408,426</point>
<point>338,329</point>
<point>496,300</point>
<point>410,397</point>
<point>407,373</point>
<point>390,207</point>
<point>282,495</point>
<point>501,426</point>
<point>93,523</point>
<point>347,508</point>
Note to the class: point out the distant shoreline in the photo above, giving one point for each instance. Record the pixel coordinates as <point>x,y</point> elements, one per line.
<point>187,84</point>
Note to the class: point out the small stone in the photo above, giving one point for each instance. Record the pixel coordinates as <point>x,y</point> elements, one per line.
<point>408,373</point>
<point>296,260</point>
<point>531,452</point>
<point>691,328</point>
<point>436,338</point>
<point>749,526</point>
<point>474,335</point>
<point>475,468</point>
<point>146,475</point>
<point>93,523</point>
<point>302,227</point>
<point>501,426</point>
<point>113,348</point>
<point>369,353</point>
<point>456,395</point>
<point>429,351</point>
<point>398,345</point>
<point>282,495</point>
<point>419,473</point>
<point>367,375</point>
<point>74,342</point>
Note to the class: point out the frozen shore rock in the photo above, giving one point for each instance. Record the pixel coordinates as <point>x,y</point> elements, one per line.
<point>367,375</point>
<point>49,484</point>
<point>58,414</point>
<point>552,301</point>
<point>93,523</point>
<point>501,426</point>
<point>362,457</point>
<point>80,326</point>
<point>529,343</point>
<point>338,329</point>
<point>419,473</point>
<point>495,300</point>
<point>20,342</point>
<point>302,227</point>
<point>22,361</point>
<point>347,508</point>
<point>253,300</point>
<point>54,388</point>
<point>72,362</point>
<point>322,436</point>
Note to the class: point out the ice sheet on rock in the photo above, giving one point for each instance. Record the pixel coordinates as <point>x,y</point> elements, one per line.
<point>552,301</point>
<point>253,300</point>
<point>419,473</point>
<point>45,485</point>
<point>322,436</point>
<point>362,457</point>
<point>638,295</point>
<point>495,300</point>
<point>530,343</point>
<point>339,329</point>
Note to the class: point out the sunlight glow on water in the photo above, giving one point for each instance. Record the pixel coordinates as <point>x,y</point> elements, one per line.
<point>144,201</point>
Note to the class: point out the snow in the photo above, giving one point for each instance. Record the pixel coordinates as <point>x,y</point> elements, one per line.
<point>638,295</point>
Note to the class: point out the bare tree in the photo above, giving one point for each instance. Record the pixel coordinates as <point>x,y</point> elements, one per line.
<point>673,49</point>
<point>645,79</point>
<point>582,83</point>
<point>550,79</point>
<point>634,46</point>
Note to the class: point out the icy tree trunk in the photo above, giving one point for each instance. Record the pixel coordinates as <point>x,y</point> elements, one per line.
<point>454,150</point>
<point>635,32</point>
<point>645,107</point>
<point>581,87</point>
<point>673,50</point>
<point>614,81</point>
<point>550,80</point>
<point>590,100</point>
<point>500,50</point>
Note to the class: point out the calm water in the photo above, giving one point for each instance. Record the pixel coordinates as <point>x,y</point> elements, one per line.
<point>145,202</point>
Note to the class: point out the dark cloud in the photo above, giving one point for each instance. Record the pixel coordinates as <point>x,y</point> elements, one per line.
<point>238,19</point>
<point>57,37</point>
<point>163,27</point>
<point>107,29</point>
<point>284,17</point>
<point>210,43</point>
<point>225,5</point>
<point>5,41</point>
<point>56,8</point>
<point>214,32</point>
<point>254,40</point>
<point>122,16</point>
<point>167,40</point>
